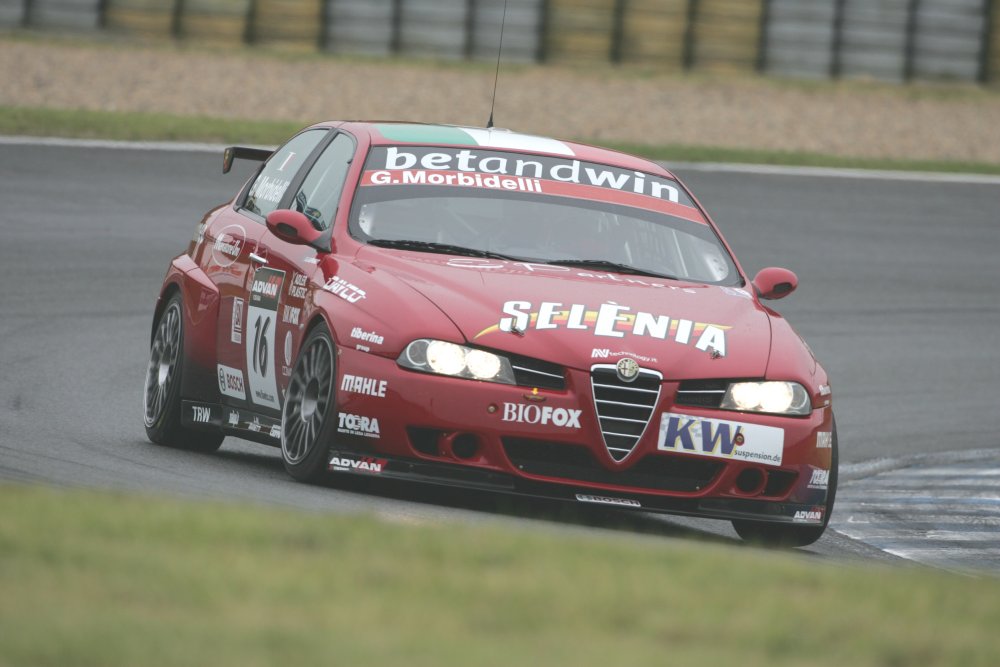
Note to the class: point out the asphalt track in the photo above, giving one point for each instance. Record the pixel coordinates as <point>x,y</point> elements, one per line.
<point>897,298</point>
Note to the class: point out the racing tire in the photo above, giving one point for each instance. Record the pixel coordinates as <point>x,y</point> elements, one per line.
<point>161,398</point>
<point>308,419</point>
<point>791,535</point>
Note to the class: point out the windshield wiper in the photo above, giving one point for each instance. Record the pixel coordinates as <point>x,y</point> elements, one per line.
<point>611,266</point>
<point>443,248</point>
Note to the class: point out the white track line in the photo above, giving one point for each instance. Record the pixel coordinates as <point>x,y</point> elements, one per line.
<point>831,172</point>
<point>764,169</point>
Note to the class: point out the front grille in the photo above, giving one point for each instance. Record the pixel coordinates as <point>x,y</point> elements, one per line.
<point>624,408</point>
<point>701,393</point>
<point>661,472</point>
<point>530,372</point>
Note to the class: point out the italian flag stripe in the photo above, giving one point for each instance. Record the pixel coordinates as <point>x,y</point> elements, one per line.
<point>460,136</point>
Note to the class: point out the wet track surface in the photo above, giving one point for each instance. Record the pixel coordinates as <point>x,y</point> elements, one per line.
<point>897,298</point>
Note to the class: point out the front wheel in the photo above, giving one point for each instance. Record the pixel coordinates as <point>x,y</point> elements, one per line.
<point>307,419</point>
<point>791,535</point>
<point>161,399</point>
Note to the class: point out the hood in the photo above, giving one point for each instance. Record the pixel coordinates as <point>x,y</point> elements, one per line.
<point>579,317</point>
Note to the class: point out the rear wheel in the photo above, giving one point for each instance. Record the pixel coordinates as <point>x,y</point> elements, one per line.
<point>161,399</point>
<point>792,535</point>
<point>307,419</point>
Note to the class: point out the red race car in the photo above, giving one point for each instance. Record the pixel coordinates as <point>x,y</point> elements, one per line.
<point>484,309</point>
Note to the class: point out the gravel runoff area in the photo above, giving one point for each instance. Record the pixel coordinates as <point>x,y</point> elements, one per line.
<point>854,119</point>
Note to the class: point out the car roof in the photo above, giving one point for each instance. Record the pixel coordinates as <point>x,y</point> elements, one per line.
<point>382,133</point>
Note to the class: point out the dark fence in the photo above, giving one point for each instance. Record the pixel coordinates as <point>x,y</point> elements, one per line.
<point>899,40</point>
<point>885,39</point>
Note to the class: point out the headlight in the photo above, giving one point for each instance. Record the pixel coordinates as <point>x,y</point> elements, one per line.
<point>780,398</point>
<point>444,358</point>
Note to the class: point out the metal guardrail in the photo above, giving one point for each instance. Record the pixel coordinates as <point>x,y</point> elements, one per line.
<point>900,40</point>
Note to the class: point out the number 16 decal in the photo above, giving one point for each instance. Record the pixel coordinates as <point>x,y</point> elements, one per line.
<point>265,291</point>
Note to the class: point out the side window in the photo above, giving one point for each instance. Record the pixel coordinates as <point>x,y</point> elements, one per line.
<point>267,190</point>
<point>320,193</point>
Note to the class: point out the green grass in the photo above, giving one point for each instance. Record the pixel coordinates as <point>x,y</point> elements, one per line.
<point>105,579</point>
<point>166,127</point>
<point>141,126</point>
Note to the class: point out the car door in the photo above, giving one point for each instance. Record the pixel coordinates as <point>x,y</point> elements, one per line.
<point>317,194</point>
<point>248,312</point>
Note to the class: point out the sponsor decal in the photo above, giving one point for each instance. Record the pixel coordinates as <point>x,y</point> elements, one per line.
<point>541,415</point>
<point>199,233</point>
<point>721,439</point>
<point>824,390</point>
<point>530,268</point>
<point>607,353</point>
<point>367,336</point>
<point>345,290</point>
<point>261,349</point>
<point>606,500</point>
<point>820,479</point>
<point>297,288</point>
<point>288,347</point>
<point>254,425</point>
<point>824,440</point>
<point>357,384</point>
<point>815,515</point>
<point>201,414</point>
<point>290,315</point>
<point>236,329</point>
<point>392,163</point>
<point>609,320</point>
<point>275,432</point>
<point>346,463</point>
<point>234,418</point>
<point>363,348</point>
<point>366,427</point>
<point>268,188</point>
<point>417,177</point>
<point>228,245</point>
<point>231,382</point>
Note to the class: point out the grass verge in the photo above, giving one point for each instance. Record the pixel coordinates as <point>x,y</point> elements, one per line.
<point>136,126</point>
<point>103,579</point>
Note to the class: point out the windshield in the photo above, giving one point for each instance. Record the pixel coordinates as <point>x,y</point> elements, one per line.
<point>524,208</point>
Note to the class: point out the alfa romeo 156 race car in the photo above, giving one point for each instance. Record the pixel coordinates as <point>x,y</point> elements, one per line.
<point>491,310</point>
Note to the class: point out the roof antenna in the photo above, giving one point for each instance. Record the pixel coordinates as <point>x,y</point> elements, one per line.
<point>493,102</point>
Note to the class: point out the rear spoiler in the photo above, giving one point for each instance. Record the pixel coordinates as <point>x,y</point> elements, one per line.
<point>243,153</point>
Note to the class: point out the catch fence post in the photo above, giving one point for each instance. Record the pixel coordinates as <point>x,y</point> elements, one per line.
<point>323,40</point>
<point>102,14</point>
<point>470,28</point>
<point>689,35</point>
<point>910,52</point>
<point>542,49</point>
<point>396,38</point>
<point>177,19</point>
<point>617,31</point>
<point>28,14</point>
<point>986,43</point>
<point>837,40</point>
<point>250,28</point>
<point>763,36</point>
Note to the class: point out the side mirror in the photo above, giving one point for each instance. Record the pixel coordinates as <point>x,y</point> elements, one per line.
<point>775,283</point>
<point>293,227</point>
